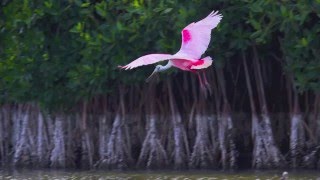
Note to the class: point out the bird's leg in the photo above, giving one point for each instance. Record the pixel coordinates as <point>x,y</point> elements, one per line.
<point>206,83</point>
<point>202,86</point>
<point>200,80</point>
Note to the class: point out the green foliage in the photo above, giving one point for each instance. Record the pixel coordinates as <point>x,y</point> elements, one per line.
<point>295,26</point>
<point>58,53</point>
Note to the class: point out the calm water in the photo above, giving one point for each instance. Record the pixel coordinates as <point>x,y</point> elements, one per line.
<point>158,175</point>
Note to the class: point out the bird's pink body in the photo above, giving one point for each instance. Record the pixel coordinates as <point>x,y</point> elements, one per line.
<point>195,41</point>
<point>186,65</point>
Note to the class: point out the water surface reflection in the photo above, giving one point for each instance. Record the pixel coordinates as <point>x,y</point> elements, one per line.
<point>46,174</point>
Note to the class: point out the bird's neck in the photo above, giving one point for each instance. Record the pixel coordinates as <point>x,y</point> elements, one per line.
<point>166,67</point>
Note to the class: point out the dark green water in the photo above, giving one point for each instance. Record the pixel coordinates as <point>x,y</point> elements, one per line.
<point>158,175</point>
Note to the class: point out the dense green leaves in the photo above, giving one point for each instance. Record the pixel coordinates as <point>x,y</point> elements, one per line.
<point>60,52</point>
<point>296,27</point>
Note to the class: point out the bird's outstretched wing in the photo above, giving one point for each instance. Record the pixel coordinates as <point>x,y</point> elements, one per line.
<point>147,59</point>
<point>196,36</point>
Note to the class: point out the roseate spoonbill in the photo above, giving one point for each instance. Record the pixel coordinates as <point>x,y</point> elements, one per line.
<point>195,41</point>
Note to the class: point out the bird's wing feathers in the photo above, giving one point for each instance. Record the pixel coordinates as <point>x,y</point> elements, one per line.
<point>147,59</point>
<point>196,36</point>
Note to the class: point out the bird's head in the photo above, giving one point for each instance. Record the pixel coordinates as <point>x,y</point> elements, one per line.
<point>155,71</point>
<point>158,68</point>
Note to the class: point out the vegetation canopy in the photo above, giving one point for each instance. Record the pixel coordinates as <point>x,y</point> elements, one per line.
<point>59,77</point>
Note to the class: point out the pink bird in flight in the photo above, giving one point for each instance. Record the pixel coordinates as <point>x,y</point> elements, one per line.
<point>195,41</point>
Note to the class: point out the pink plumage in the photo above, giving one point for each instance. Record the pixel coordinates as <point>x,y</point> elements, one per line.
<point>206,62</point>
<point>201,35</point>
<point>147,59</point>
<point>186,36</point>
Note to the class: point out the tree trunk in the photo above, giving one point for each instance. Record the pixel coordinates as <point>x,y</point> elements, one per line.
<point>58,153</point>
<point>181,147</point>
<point>266,154</point>
<point>316,119</point>
<point>153,154</point>
<point>72,138</point>
<point>297,137</point>
<point>116,157</point>
<point>103,136</point>
<point>42,142</point>
<point>312,158</point>
<point>87,146</point>
<point>2,139</point>
<point>23,151</point>
<point>202,153</point>
<point>226,140</point>
<point>118,153</point>
<point>5,134</point>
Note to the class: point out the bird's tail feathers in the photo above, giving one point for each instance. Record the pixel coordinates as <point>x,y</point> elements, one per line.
<point>207,61</point>
<point>208,58</point>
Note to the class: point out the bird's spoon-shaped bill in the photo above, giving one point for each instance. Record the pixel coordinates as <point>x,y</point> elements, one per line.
<point>151,75</point>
